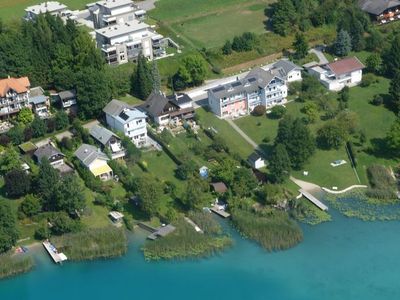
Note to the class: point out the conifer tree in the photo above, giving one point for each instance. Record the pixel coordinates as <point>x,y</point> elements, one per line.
<point>342,44</point>
<point>155,74</point>
<point>279,165</point>
<point>142,83</point>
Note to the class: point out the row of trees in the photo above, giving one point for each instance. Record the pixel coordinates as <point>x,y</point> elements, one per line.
<point>246,42</point>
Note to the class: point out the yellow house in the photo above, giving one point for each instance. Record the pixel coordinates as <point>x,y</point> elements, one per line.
<point>95,160</point>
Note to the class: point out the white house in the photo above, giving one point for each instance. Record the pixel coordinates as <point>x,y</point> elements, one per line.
<point>94,160</point>
<point>240,97</point>
<point>129,120</point>
<point>336,75</point>
<point>288,70</point>
<point>14,95</point>
<point>112,12</point>
<point>121,43</point>
<point>256,161</point>
<point>52,7</point>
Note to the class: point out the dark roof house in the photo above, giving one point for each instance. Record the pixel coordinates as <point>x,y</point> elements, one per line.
<point>49,152</point>
<point>378,7</point>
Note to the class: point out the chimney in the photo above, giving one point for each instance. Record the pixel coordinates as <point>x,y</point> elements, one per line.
<point>86,150</point>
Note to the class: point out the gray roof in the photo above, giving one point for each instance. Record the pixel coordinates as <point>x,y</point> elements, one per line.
<point>36,91</point>
<point>286,66</point>
<point>180,99</point>
<point>155,104</point>
<point>37,99</point>
<point>376,7</point>
<point>123,29</point>
<point>88,154</point>
<point>254,157</point>
<point>101,134</point>
<point>115,107</point>
<point>67,94</point>
<point>46,151</point>
<point>114,3</point>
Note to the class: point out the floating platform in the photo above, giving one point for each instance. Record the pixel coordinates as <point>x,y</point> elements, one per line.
<point>52,250</point>
<point>314,200</point>
<point>220,212</point>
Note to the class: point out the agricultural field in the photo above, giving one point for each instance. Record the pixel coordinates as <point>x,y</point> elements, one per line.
<point>207,23</point>
<point>12,10</point>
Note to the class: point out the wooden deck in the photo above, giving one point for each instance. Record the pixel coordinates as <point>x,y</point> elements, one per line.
<point>57,257</point>
<point>314,200</point>
<point>220,212</point>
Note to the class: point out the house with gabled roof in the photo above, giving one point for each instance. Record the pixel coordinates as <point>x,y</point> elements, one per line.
<point>14,95</point>
<point>54,156</point>
<point>165,109</point>
<point>287,70</point>
<point>382,11</point>
<point>240,97</point>
<point>95,161</point>
<point>108,140</point>
<point>67,98</point>
<point>127,119</point>
<point>340,73</point>
<point>39,102</point>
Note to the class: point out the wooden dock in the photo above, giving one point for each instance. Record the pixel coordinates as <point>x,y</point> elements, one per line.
<point>314,200</point>
<point>220,212</point>
<point>57,257</point>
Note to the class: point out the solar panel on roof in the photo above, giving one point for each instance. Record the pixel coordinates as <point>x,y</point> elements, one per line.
<point>252,79</point>
<point>123,116</point>
<point>237,83</point>
<point>218,89</point>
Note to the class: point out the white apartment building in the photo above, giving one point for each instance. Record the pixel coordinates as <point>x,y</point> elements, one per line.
<point>52,7</point>
<point>129,120</point>
<point>112,12</point>
<point>121,43</point>
<point>240,97</point>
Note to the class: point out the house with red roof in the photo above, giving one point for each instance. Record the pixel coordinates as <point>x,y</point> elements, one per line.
<point>14,95</point>
<point>340,73</point>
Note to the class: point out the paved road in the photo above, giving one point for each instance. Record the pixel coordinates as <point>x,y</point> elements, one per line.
<point>321,56</point>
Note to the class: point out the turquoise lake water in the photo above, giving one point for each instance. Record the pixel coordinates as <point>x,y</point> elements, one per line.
<point>342,259</point>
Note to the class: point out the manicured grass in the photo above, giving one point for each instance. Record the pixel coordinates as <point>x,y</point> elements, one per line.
<point>12,10</point>
<point>235,142</point>
<point>208,31</point>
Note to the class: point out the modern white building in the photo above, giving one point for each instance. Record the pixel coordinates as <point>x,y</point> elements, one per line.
<point>129,120</point>
<point>288,70</point>
<point>121,43</point>
<point>112,12</point>
<point>336,75</point>
<point>52,7</point>
<point>240,97</point>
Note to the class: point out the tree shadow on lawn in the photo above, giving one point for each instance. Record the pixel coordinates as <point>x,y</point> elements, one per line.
<point>266,149</point>
<point>268,13</point>
<point>379,149</point>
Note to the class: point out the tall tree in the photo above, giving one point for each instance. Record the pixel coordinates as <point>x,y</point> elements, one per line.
<point>47,184</point>
<point>17,183</point>
<point>342,44</point>
<point>70,195</point>
<point>155,75</point>
<point>195,195</point>
<point>8,227</point>
<point>391,57</point>
<point>283,17</point>
<point>279,164</point>
<point>142,81</point>
<point>38,127</point>
<point>244,182</point>
<point>300,45</point>
<point>150,192</point>
<point>93,92</point>
<point>394,90</point>
<point>393,137</point>
<point>9,160</point>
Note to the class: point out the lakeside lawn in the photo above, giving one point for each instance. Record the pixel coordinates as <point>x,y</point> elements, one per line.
<point>375,121</point>
<point>234,141</point>
<point>14,10</point>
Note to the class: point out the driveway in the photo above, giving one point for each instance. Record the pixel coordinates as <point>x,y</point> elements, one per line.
<point>321,56</point>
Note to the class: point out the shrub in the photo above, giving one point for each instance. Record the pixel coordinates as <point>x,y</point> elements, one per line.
<point>377,100</point>
<point>259,110</point>
<point>369,79</point>
<point>277,112</point>
<point>380,178</point>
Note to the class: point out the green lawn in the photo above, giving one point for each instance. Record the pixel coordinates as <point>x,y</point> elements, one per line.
<point>12,10</point>
<point>235,142</point>
<point>131,100</point>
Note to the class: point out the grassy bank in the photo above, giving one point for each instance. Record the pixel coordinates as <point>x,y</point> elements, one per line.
<point>13,265</point>
<point>185,242</point>
<point>93,243</point>
<point>274,231</point>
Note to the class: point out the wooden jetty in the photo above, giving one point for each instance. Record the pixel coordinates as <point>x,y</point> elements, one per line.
<point>194,225</point>
<point>314,200</point>
<point>161,232</point>
<point>219,212</point>
<point>57,257</point>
